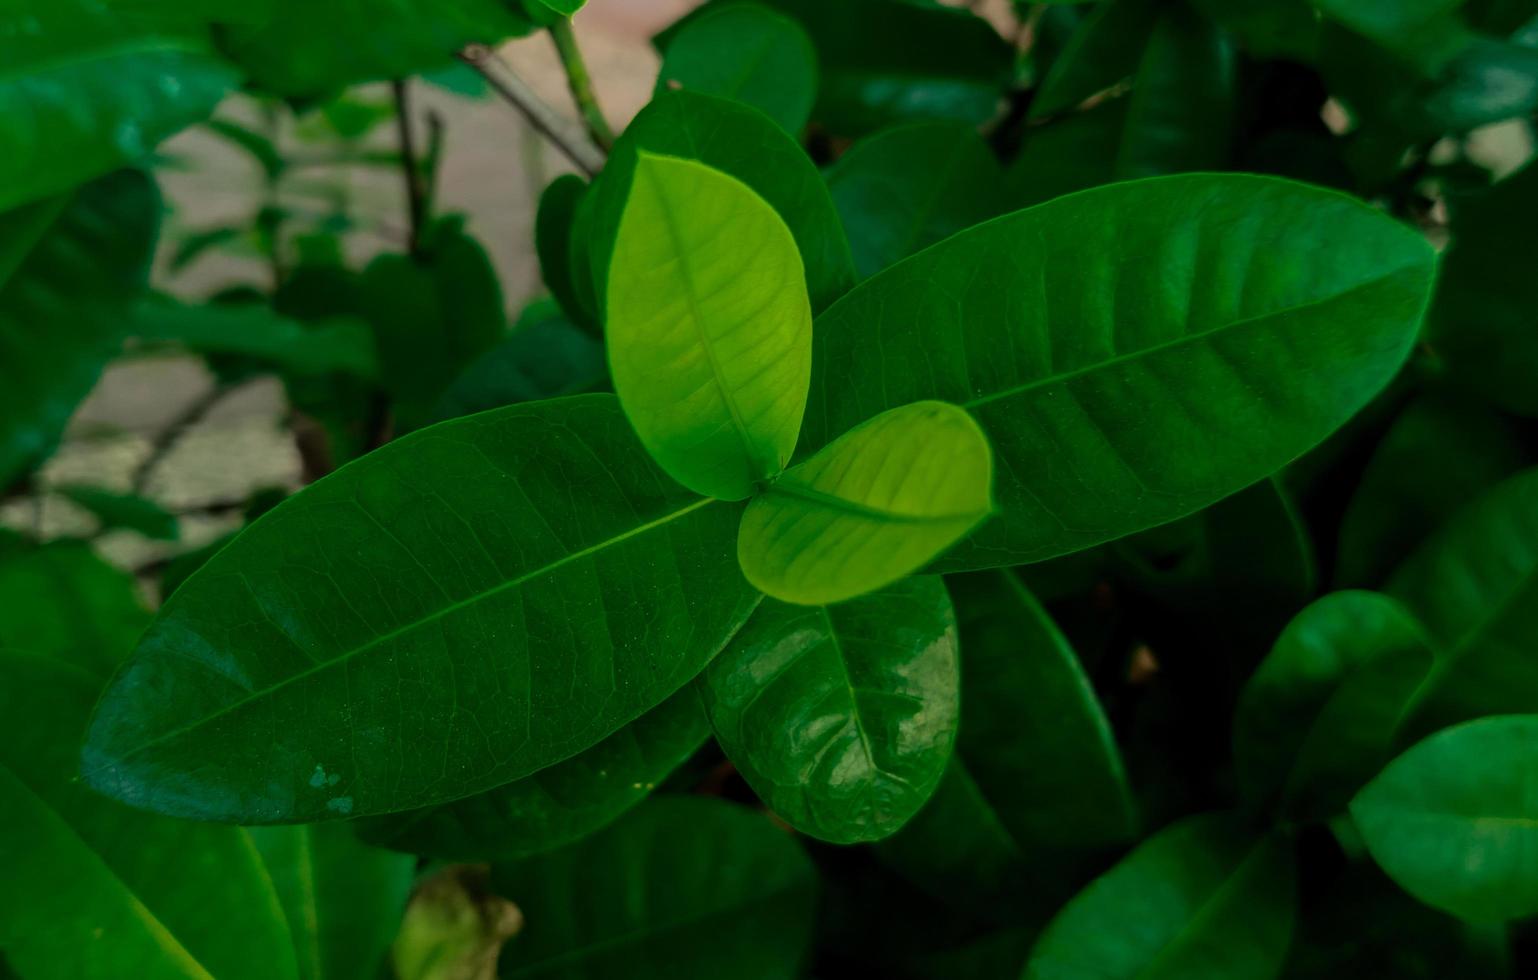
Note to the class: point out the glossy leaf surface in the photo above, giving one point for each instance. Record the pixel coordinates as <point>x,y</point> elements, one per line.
<point>748,53</point>
<point>906,188</point>
<point>1455,819</point>
<point>90,254</point>
<point>1475,586</point>
<point>1202,898</point>
<point>709,328</point>
<point>87,90</point>
<point>458,571</point>
<point>343,900</point>
<point>841,717</point>
<point>1320,716</point>
<point>94,889</point>
<point>744,143</point>
<point>558,804</point>
<point>875,505</point>
<point>1098,337</point>
<point>684,887</point>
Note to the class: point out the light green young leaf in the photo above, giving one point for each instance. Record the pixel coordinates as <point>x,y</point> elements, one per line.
<point>1135,352</point>
<point>467,605</point>
<point>1203,898</point>
<point>558,804</point>
<point>748,53</point>
<point>709,327</point>
<point>1455,819</point>
<point>841,717</point>
<point>877,504</point>
<point>86,90</point>
<point>95,890</point>
<point>1320,716</point>
<point>684,888</point>
<point>343,899</point>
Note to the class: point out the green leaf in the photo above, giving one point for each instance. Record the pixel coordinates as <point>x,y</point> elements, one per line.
<point>1475,586</point>
<point>524,581</point>
<point>1102,52</point>
<point>65,602</point>
<point>565,8</point>
<point>877,504</point>
<point>1481,322</point>
<point>1088,370</point>
<point>1454,821</point>
<point>87,90</point>
<point>904,189</point>
<point>555,242</point>
<point>1423,31</point>
<point>709,327</point>
<point>97,890</point>
<point>884,62</point>
<point>343,899</point>
<point>432,314</point>
<point>1181,116</point>
<point>841,717</point>
<point>295,54</point>
<point>1400,499</point>
<point>683,888</point>
<point>1071,153</point>
<point>545,356</point>
<point>340,345</point>
<point>88,254</point>
<point>1037,794</point>
<point>748,53</point>
<point>559,804</point>
<point>1320,716</point>
<point>1283,29</point>
<point>742,142</point>
<point>1202,898</point>
<point>123,510</point>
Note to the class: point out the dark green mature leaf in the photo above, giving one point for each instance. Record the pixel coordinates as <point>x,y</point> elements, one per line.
<point>63,601</point>
<point>343,899</point>
<point>885,62</point>
<point>709,328</point>
<point>432,314</point>
<point>1475,586</point>
<point>465,606</point>
<point>544,356</point>
<point>86,90</point>
<point>558,804</point>
<point>1181,115</point>
<point>1426,32</point>
<point>556,244</point>
<point>1454,821</point>
<point>1202,898</point>
<point>127,511</point>
<point>874,505</point>
<point>1320,716</point>
<point>1268,28</point>
<point>1037,792</point>
<point>749,53</point>
<point>683,888</point>
<point>69,268</point>
<point>841,717</point>
<point>906,188</point>
<point>744,143</point>
<point>96,890</point>
<point>1481,321</point>
<point>1100,338</point>
<point>1401,499</point>
<point>1073,153</point>
<point>1104,50</point>
<point>296,53</point>
<point>255,330</point>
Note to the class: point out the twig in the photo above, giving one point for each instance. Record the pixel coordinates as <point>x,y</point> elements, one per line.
<point>546,121</point>
<point>416,187</point>
<point>432,160</point>
<point>581,83</point>
<point>166,439</point>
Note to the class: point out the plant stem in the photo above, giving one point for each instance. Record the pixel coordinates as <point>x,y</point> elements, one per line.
<point>545,120</point>
<point>166,439</point>
<point>581,83</point>
<point>416,187</point>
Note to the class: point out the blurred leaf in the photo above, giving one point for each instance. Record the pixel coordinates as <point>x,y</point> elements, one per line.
<point>1268,28</point>
<point>454,927</point>
<point>1104,51</point>
<point>1454,820</point>
<point>63,601</point>
<point>339,345</point>
<point>748,53</point>
<point>543,357</point>
<point>556,243</point>
<point>127,511</point>
<point>683,888</point>
<point>259,147</point>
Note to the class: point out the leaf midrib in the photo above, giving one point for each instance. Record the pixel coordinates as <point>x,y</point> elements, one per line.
<point>800,491</point>
<point>377,641</point>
